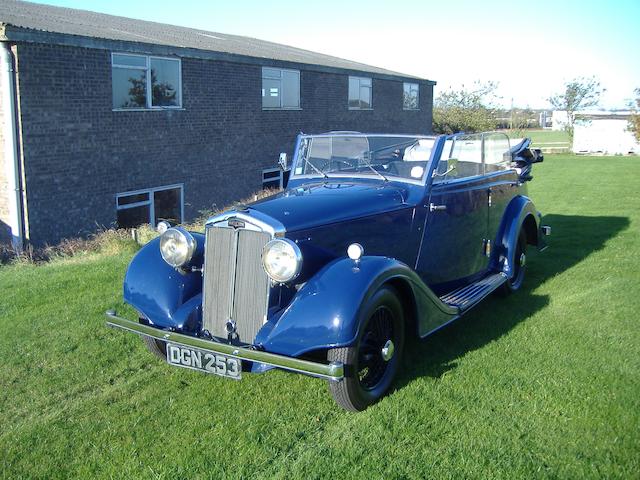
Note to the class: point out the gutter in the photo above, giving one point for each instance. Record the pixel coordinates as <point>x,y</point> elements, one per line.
<point>10,146</point>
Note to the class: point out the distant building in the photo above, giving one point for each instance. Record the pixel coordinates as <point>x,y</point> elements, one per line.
<point>604,132</point>
<point>545,119</point>
<point>113,121</point>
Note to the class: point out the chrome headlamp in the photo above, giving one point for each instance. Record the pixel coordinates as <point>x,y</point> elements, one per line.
<point>282,260</point>
<point>177,246</point>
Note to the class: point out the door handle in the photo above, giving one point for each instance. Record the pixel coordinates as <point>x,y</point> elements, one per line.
<point>437,208</point>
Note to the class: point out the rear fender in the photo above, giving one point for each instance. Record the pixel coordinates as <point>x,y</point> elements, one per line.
<point>325,312</point>
<point>166,297</point>
<point>520,214</point>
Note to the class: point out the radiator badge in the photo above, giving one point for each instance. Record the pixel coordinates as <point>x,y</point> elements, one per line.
<point>235,223</point>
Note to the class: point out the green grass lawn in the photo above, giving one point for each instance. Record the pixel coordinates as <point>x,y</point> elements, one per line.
<point>545,383</point>
<point>546,137</point>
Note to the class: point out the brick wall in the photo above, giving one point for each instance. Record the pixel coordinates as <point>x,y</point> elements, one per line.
<point>79,153</point>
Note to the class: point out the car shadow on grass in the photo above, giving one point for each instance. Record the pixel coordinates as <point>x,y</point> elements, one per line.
<point>573,239</point>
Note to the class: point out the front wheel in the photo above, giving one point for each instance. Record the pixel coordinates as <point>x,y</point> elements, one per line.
<point>372,361</point>
<point>157,347</point>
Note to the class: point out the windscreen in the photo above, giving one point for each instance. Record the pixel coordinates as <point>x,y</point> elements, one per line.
<point>389,157</point>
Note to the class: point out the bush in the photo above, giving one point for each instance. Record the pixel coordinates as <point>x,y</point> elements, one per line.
<point>111,241</point>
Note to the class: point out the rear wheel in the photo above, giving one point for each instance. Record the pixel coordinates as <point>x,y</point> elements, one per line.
<point>519,268</point>
<point>373,360</point>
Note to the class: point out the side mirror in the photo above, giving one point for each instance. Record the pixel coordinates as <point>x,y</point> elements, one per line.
<point>282,162</point>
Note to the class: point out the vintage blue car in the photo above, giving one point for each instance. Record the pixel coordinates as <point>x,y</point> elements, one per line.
<point>375,238</point>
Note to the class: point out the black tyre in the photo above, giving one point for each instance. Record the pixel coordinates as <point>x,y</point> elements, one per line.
<point>157,347</point>
<point>519,268</point>
<point>373,360</point>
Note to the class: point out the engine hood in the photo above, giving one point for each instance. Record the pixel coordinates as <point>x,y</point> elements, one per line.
<point>321,203</point>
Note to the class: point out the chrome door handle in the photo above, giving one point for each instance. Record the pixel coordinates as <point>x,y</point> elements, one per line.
<point>437,208</point>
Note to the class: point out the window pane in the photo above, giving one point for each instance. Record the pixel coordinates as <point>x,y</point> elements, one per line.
<point>269,184</point>
<point>271,174</point>
<point>129,60</point>
<point>165,82</point>
<point>167,206</point>
<point>365,81</point>
<point>129,88</point>
<point>135,198</point>
<point>365,96</point>
<point>411,98</point>
<point>354,92</point>
<point>290,89</point>
<point>468,150</point>
<point>133,217</point>
<point>270,72</point>
<point>270,93</point>
<point>495,147</point>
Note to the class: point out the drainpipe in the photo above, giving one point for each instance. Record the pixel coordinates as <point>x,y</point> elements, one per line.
<point>10,147</point>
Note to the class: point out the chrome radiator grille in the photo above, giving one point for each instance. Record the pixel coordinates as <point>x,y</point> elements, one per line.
<point>235,285</point>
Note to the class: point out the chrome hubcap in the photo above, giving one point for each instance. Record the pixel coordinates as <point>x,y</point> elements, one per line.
<point>387,351</point>
<point>523,260</point>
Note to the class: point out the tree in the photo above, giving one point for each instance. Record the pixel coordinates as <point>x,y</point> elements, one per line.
<point>579,93</point>
<point>163,93</point>
<point>465,110</point>
<point>634,122</point>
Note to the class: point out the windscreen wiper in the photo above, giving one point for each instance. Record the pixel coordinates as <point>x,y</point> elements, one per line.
<point>363,157</point>
<point>315,168</point>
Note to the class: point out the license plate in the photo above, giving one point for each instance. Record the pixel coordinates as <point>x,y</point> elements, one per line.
<point>208,362</point>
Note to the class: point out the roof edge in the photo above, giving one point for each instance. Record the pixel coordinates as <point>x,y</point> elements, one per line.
<point>17,34</point>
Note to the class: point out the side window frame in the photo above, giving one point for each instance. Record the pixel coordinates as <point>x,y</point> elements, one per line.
<point>150,201</point>
<point>278,75</point>
<point>440,175</point>
<point>147,69</point>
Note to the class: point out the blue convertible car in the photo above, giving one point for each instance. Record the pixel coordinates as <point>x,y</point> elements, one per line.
<point>376,238</point>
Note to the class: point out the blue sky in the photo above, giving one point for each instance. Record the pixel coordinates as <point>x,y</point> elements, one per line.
<point>531,48</point>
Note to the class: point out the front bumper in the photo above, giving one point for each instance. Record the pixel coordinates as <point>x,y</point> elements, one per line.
<point>332,371</point>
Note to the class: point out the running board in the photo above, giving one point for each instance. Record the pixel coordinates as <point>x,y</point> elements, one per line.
<point>466,297</point>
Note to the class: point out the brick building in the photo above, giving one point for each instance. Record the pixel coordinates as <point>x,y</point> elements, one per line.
<point>113,121</point>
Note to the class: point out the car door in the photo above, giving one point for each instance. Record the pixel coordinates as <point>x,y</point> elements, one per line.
<point>454,237</point>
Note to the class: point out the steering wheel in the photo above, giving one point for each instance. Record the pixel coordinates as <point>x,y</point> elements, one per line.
<point>390,167</point>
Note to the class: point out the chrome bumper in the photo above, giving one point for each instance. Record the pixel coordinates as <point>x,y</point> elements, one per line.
<point>333,371</point>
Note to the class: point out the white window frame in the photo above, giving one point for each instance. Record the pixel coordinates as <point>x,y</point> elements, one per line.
<point>352,77</point>
<point>281,70</point>
<point>147,69</point>
<point>273,179</point>
<point>150,192</point>
<point>417,88</point>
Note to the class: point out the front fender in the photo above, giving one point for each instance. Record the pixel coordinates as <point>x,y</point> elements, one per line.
<point>325,312</point>
<point>157,290</point>
<point>520,213</point>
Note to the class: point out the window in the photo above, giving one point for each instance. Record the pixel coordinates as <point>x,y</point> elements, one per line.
<point>411,98</point>
<point>360,93</point>
<point>496,152</point>
<point>134,76</point>
<point>280,88</point>
<point>150,206</point>
<point>463,157</point>
<point>272,178</point>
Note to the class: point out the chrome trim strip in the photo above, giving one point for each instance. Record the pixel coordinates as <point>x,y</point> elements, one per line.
<point>256,218</point>
<point>333,371</point>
